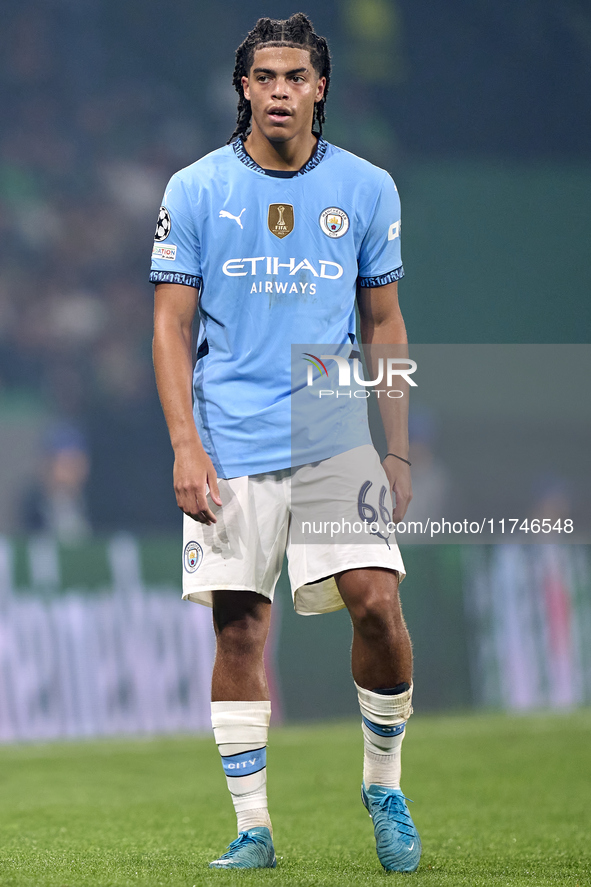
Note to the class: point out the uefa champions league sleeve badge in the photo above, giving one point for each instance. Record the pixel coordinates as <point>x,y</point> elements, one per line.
<point>163,225</point>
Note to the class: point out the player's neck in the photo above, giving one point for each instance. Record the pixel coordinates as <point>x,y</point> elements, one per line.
<point>290,155</point>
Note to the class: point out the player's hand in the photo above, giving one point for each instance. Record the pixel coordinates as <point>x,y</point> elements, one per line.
<point>193,475</point>
<point>398,474</point>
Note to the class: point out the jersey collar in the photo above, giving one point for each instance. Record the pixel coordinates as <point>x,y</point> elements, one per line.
<point>245,158</point>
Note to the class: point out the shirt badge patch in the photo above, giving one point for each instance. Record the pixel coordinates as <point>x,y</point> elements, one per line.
<point>163,225</point>
<point>334,221</point>
<point>164,252</point>
<point>394,230</point>
<point>280,219</point>
<point>193,555</point>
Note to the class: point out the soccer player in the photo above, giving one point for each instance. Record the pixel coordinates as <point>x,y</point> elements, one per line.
<point>269,239</point>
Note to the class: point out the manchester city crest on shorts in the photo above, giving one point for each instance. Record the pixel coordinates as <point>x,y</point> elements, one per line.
<point>163,225</point>
<point>280,219</point>
<point>192,557</point>
<point>334,221</point>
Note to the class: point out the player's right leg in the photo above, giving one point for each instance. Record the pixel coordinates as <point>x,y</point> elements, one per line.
<point>240,713</point>
<point>233,566</point>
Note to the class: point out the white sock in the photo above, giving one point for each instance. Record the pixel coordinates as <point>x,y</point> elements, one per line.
<point>383,723</point>
<point>240,730</point>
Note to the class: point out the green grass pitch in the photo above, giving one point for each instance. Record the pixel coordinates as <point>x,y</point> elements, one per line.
<point>499,800</point>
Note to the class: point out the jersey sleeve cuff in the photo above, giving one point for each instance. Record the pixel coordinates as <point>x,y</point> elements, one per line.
<point>175,277</point>
<point>383,279</point>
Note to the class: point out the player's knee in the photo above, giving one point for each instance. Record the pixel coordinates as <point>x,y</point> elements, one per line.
<point>376,610</point>
<point>243,637</point>
<point>370,610</point>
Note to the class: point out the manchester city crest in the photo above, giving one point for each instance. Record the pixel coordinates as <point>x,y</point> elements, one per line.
<point>192,557</point>
<point>334,221</point>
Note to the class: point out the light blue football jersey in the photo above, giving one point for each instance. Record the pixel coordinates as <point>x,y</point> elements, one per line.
<point>277,261</point>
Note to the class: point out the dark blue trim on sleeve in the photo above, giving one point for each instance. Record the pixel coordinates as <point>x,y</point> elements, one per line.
<point>383,279</point>
<point>175,277</point>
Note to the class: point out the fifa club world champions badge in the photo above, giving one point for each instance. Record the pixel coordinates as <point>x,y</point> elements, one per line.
<point>280,219</point>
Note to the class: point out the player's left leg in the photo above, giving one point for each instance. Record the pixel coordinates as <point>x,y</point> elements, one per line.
<point>341,550</point>
<point>382,670</point>
<point>381,656</point>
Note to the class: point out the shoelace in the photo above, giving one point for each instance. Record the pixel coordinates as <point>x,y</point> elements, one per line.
<point>395,804</point>
<point>243,838</point>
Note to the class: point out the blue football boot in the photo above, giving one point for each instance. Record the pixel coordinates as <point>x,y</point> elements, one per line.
<point>251,850</point>
<point>397,840</point>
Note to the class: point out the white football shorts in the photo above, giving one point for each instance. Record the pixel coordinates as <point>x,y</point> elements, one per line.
<point>328,516</point>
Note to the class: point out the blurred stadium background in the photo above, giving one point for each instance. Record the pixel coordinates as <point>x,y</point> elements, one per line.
<point>481,111</point>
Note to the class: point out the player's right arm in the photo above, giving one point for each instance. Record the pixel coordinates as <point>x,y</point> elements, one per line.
<point>174,310</point>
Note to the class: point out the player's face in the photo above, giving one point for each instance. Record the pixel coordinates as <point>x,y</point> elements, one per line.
<point>282,88</point>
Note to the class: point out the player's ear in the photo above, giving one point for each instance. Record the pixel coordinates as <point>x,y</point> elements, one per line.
<point>245,88</point>
<point>321,86</point>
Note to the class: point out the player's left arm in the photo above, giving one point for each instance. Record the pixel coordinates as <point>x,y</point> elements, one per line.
<point>382,324</point>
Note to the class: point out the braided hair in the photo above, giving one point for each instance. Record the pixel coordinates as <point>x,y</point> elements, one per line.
<point>296,31</point>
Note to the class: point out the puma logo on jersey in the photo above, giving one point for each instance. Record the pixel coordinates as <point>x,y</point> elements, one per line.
<point>224,214</point>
